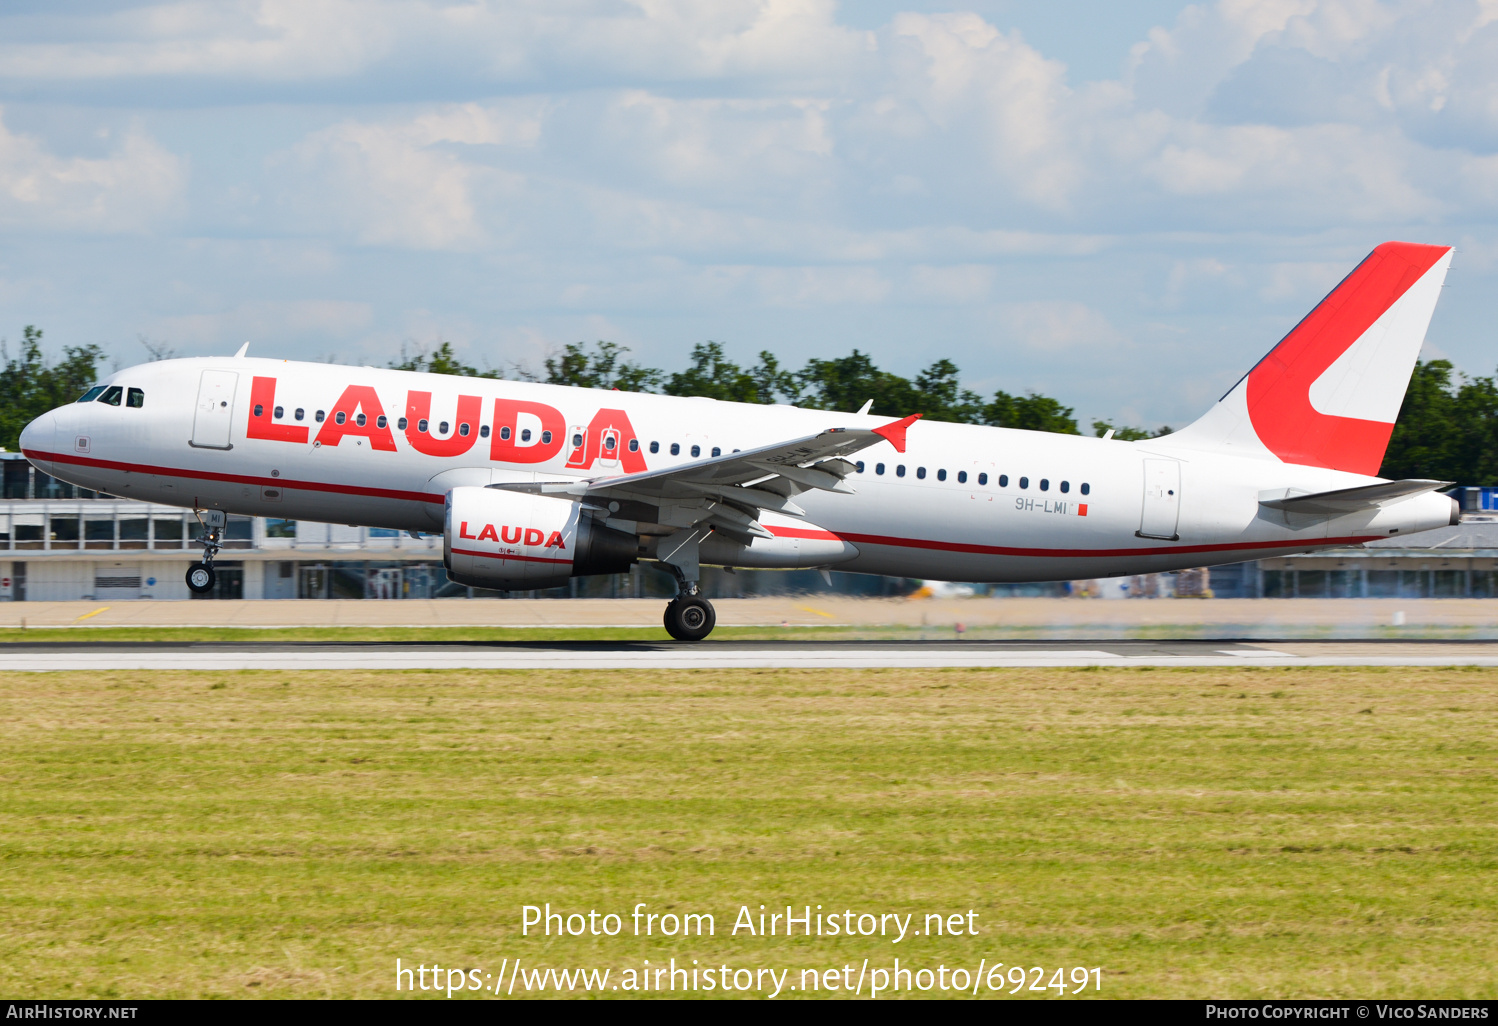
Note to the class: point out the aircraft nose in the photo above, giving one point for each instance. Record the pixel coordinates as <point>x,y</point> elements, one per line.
<point>41,434</point>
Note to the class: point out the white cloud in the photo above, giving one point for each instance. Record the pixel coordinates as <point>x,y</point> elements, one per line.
<point>264,322</point>
<point>133,188</point>
<point>1058,326</point>
<point>401,182</point>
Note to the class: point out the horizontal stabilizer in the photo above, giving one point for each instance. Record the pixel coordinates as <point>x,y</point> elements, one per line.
<point>1350,500</point>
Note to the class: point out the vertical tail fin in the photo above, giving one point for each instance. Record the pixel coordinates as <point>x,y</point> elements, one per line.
<point>1328,394</point>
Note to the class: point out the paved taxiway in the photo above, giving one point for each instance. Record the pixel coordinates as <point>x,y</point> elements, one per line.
<point>733,655</point>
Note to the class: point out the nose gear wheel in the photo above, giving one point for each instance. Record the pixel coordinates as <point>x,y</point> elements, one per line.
<point>201,578</point>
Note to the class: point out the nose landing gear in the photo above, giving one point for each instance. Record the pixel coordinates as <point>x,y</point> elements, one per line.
<point>200,576</point>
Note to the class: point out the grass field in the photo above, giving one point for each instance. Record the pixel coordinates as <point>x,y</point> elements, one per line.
<point>1244,833</point>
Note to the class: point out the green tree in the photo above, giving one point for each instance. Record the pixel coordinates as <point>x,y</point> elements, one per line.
<point>1127,434</point>
<point>1031,412</point>
<point>29,386</point>
<point>605,367</point>
<point>942,397</point>
<point>848,382</point>
<point>714,376</point>
<point>441,360</point>
<point>1446,430</point>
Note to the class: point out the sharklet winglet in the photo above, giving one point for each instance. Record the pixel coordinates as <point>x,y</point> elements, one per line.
<point>895,431</point>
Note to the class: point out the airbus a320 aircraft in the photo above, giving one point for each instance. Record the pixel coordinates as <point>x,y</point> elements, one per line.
<point>532,484</point>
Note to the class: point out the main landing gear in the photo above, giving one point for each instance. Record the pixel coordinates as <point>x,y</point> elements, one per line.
<point>200,576</point>
<point>689,616</point>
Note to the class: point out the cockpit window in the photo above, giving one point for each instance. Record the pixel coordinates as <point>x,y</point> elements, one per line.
<point>91,394</point>
<point>135,399</point>
<point>112,395</point>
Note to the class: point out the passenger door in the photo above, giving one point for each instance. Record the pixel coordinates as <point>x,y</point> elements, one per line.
<point>1162,499</point>
<point>215,412</point>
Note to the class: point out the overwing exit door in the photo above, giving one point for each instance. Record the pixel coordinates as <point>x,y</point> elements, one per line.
<point>215,412</point>
<point>1162,500</point>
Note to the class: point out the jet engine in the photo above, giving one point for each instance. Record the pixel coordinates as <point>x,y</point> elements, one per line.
<point>516,541</point>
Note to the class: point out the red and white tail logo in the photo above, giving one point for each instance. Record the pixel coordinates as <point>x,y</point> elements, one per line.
<point>1328,394</point>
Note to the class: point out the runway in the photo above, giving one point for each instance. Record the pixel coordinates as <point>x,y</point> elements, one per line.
<point>580,655</point>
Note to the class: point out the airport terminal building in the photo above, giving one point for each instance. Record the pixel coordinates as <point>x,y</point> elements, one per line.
<point>60,543</point>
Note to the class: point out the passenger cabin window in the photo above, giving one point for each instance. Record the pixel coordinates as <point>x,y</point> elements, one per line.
<point>320,416</point>
<point>401,424</point>
<point>1045,484</point>
<point>360,419</point>
<point>879,468</point>
<point>899,470</point>
<point>577,441</point>
<point>962,477</point>
<point>608,443</point>
<point>920,472</point>
<point>442,428</point>
<point>463,430</point>
<point>1086,487</point>
<point>484,431</point>
<point>1065,487</point>
<point>112,395</point>
<point>655,446</point>
<point>422,425</point>
<point>983,479</point>
<point>859,465</point>
<point>504,433</point>
<point>675,448</point>
<point>340,418</point>
<point>280,412</point>
<point>380,421</point>
<point>717,451</point>
<point>1024,482</point>
<point>941,475</point>
<point>634,445</point>
<point>525,433</point>
<point>300,412</point>
<point>696,450</point>
<point>546,438</point>
<point>91,394</point>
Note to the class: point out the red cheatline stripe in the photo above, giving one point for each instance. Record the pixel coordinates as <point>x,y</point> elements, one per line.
<point>203,475</point>
<point>500,555</point>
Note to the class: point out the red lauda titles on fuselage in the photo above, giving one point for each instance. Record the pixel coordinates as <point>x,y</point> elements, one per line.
<point>527,535</point>
<point>358,412</point>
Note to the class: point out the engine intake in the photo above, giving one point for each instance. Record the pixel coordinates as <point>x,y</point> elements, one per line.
<point>516,541</point>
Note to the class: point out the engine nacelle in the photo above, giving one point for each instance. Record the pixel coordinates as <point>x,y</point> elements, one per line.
<point>516,541</point>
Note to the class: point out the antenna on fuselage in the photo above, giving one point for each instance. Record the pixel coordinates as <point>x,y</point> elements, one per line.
<point>242,350</point>
<point>865,408</point>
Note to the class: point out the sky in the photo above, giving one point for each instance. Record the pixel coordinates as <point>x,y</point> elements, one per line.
<point>1123,205</point>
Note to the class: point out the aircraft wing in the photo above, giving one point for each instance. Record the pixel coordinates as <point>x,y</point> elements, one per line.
<point>1350,500</point>
<point>731,489</point>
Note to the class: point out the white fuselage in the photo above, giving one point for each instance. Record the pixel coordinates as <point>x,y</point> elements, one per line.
<point>1049,506</point>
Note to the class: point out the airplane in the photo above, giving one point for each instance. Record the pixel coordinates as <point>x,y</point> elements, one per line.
<point>531,484</point>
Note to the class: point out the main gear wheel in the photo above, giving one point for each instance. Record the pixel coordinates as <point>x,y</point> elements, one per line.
<point>690,618</point>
